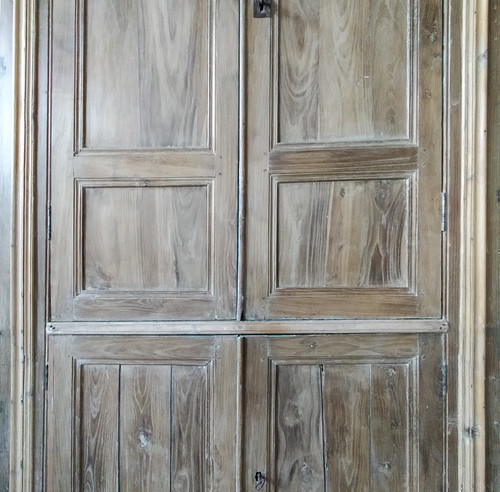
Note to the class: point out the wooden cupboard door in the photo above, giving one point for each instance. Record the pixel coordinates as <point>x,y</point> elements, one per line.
<point>343,150</point>
<point>342,413</point>
<point>143,159</point>
<point>130,413</point>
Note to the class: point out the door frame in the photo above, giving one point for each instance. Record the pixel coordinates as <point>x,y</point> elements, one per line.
<point>464,246</point>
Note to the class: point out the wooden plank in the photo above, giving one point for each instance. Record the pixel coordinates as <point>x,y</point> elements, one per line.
<point>98,444</point>
<point>144,427</point>
<point>189,429</point>
<point>493,270</point>
<point>6,170</point>
<point>347,426</point>
<point>250,327</point>
<point>390,422</point>
<point>298,76</point>
<point>298,433</point>
<point>432,394</point>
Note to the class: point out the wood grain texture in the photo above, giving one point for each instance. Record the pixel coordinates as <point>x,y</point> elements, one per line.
<point>152,413</point>
<point>390,424</point>
<point>347,427</point>
<point>137,239</point>
<point>144,427</point>
<point>393,132</point>
<point>153,104</point>
<point>160,96</point>
<point>190,452</point>
<point>493,293</point>
<point>322,242</point>
<point>99,425</point>
<point>343,70</point>
<point>299,429</point>
<point>6,203</point>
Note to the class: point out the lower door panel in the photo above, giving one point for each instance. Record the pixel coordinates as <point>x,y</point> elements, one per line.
<point>141,413</point>
<point>344,413</point>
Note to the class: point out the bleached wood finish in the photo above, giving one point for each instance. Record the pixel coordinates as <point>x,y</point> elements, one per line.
<point>161,96</point>
<point>6,197</point>
<point>143,159</point>
<point>493,267</point>
<point>343,70</point>
<point>331,111</point>
<point>145,413</point>
<point>345,412</point>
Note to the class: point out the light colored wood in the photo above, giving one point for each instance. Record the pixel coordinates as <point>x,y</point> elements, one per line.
<point>343,70</point>
<point>322,244</point>
<point>299,429</point>
<point>144,426</point>
<point>493,266</point>
<point>97,445</point>
<point>347,426</point>
<point>388,130</point>
<point>190,452</point>
<point>161,95</point>
<point>144,412</point>
<point>432,395</point>
<point>174,125</point>
<point>390,428</point>
<point>136,239</point>
<point>6,196</point>
<point>377,402</point>
<point>250,327</point>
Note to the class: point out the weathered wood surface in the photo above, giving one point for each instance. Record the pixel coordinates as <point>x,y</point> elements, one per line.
<point>333,111</point>
<point>150,413</point>
<point>493,293</point>
<point>6,168</point>
<point>160,96</point>
<point>339,413</point>
<point>323,243</point>
<point>137,239</point>
<point>347,417</point>
<point>97,435</point>
<point>299,429</point>
<point>145,396</point>
<point>343,70</point>
<point>143,173</point>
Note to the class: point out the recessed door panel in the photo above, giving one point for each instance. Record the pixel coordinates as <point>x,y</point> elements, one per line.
<point>343,70</point>
<point>144,76</point>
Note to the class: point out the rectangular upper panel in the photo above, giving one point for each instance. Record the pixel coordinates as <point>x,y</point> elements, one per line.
<point>144,74</point>
<point>342,234</point>
<point>143,238</point>
<point>344,70</point>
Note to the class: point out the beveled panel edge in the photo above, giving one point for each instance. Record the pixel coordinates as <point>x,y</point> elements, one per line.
<point>285,327</point>
<point>412,192</point>
<point>413,24</point>
<point>80,185</point>
<point>79,94</point>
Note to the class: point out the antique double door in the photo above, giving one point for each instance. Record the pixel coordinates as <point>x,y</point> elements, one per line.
<point>245,246</point>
